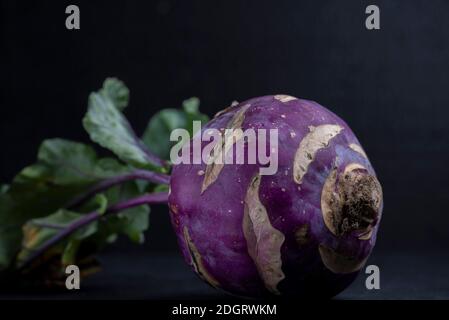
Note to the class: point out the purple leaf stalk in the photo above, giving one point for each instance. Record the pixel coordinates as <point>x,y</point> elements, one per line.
<point>147,199</point>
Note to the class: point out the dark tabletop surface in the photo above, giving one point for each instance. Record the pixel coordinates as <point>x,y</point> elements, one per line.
<point>148,275</point>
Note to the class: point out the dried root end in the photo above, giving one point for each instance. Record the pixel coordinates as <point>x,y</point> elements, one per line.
<point>351,202</point>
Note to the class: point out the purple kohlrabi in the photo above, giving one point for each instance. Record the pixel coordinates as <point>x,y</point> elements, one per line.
<point>305,230</point>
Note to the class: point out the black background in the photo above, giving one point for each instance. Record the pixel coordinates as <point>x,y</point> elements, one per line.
<point>390,85</point>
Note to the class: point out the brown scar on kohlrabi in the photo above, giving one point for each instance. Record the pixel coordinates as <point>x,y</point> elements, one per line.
<point>197,260</point>
<point>284,98</point>
<point>357,148</point>
<point>317,139</point>
<point>264,242</point>
<point>339,263</point>
<point>351,201</point>
<point>213,169</point>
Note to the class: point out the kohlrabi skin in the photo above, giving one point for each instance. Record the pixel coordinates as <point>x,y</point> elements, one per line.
<point>305,230</point>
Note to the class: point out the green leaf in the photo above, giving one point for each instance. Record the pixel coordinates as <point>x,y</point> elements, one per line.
<point>102,202</point>
<point>38,231</point>
<point>32,206</point>
<point>64,169</point>
<point>136,222</point>
<point>191,105</point>
<point>157,134</point>
<point>27,198</point>
<point>68,162</point>
<point>70,252</point>
<point>132,222</point>
<point>4,188</point>
<point>191,108</point>
<point>116,91</point>
<point>108,127</point>
<point>161,188</point>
